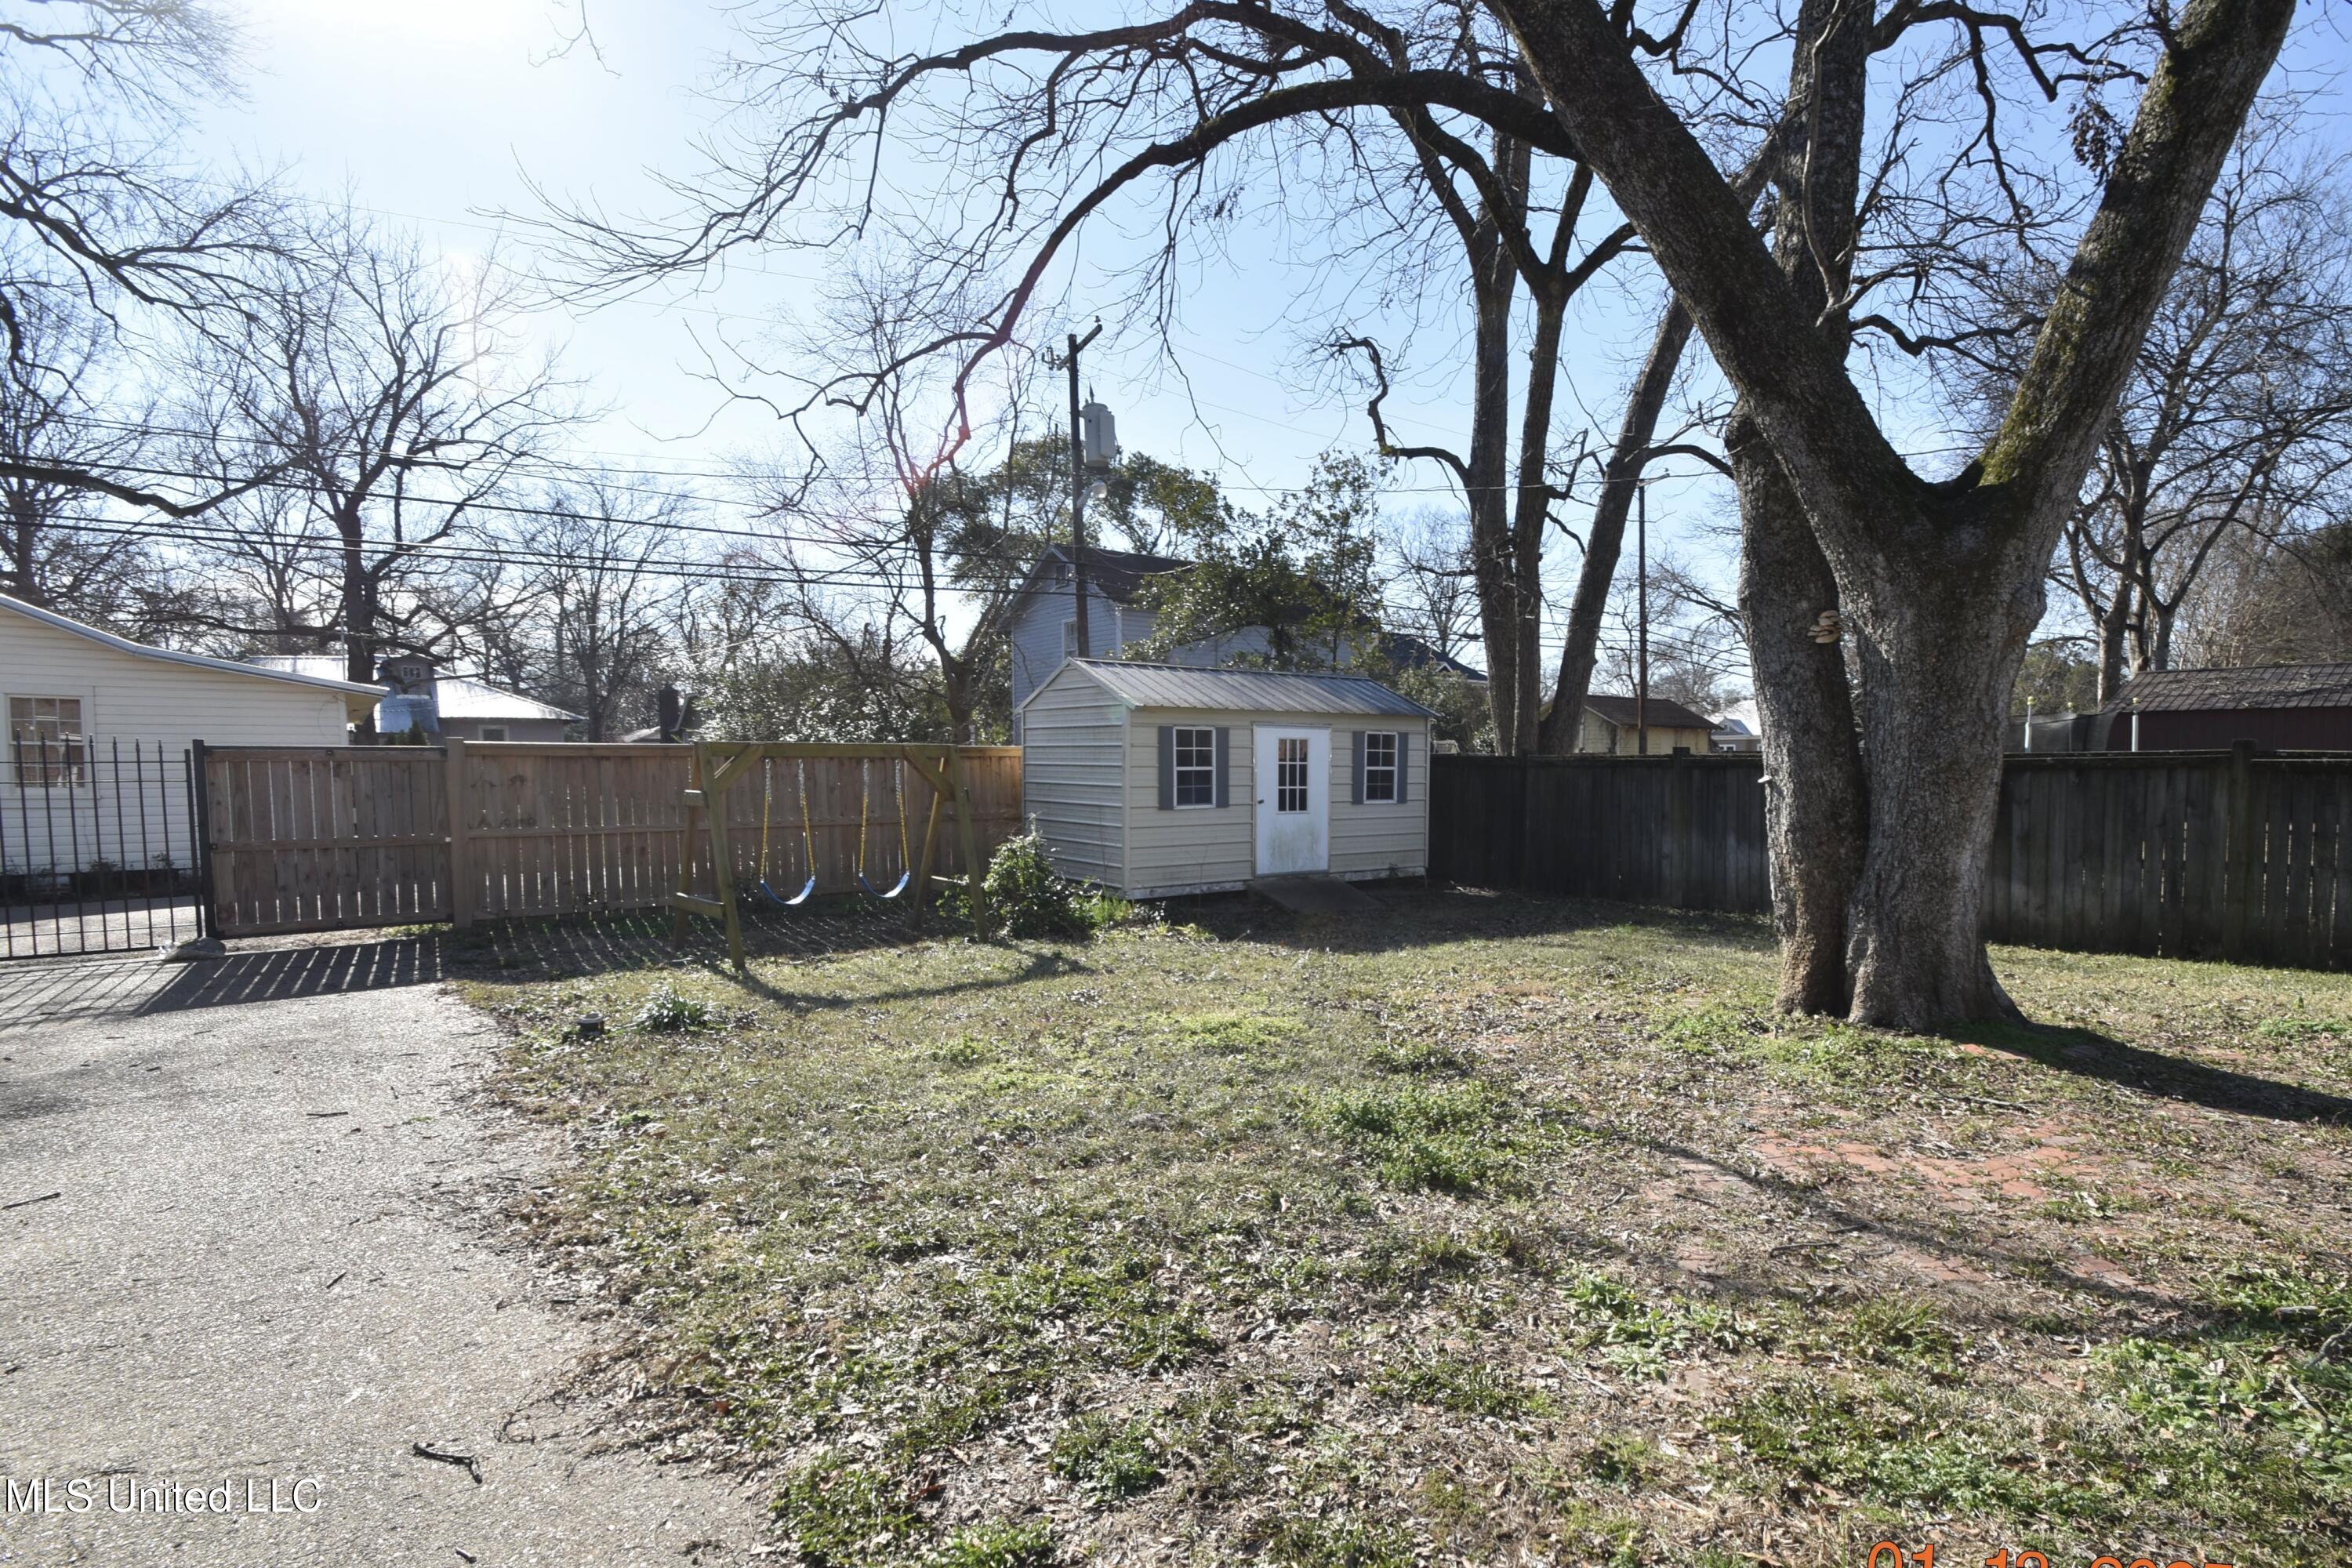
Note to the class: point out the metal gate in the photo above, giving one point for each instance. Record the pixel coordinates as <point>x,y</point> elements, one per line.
<point>97,848</point>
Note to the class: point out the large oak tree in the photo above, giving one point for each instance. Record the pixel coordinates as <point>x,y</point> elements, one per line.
<point>1883,749</point>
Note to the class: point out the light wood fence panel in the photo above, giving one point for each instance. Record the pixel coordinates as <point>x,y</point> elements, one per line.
<point>322,839</point>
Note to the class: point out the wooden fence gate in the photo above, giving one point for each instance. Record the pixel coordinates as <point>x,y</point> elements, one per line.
<point>338,838</point>
<point>2235,855</point>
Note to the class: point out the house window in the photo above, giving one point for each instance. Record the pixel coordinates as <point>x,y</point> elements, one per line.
<point>1381,765</point>
<point>494,732</point>
<point>1290,774</point>
<point>1070,638</point>
<point>1196,767</point>
<point>46,739</point>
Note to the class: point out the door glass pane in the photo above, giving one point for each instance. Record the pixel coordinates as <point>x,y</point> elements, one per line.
<point>1290,773</point>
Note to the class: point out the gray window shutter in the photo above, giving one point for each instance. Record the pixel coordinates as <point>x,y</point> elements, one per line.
<point>1167,767</point>
<point>1224,762</point>
<point>1359,768</point>
<point>1404,762</point>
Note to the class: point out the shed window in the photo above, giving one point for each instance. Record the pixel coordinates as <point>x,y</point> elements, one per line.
<point>46,739</point>
<point>1381,765</point>
<point>494,732</point>
<point>1290,774</point>
<point>1196,767</point>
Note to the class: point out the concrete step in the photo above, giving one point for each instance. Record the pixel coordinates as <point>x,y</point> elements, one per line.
<point>1313,893</point>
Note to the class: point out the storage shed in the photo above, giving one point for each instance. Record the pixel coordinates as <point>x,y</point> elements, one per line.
<point>1156,780</point>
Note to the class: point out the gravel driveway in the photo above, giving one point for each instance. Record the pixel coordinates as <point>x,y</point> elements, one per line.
<point>272,1268</point>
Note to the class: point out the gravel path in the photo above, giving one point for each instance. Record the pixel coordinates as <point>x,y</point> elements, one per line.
<point>271,1263</point>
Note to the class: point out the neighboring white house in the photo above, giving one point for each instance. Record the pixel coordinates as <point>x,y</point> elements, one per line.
<point>1041,625</point>
<point>79,699</point>
<point>1157,780</point>
<point>468,709</point>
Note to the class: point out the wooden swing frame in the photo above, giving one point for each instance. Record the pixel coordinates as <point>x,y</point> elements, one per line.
<point>717,766</point>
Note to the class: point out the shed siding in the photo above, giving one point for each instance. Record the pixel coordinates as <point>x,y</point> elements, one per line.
<point>1390,836</point>
<point>1205,847</point>
<point>1070,782</point>
<point>1196,846</point>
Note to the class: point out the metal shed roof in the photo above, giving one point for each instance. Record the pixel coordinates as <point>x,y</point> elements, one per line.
<point>1244,690</point>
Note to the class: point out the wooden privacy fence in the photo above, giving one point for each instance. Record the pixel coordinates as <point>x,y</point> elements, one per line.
<point>2229,855</point>
<point>328,838</point>
<point>1684,831</point>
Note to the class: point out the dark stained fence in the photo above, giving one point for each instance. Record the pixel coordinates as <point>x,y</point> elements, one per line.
<point>2231,854</point>
<point>1684,831</point>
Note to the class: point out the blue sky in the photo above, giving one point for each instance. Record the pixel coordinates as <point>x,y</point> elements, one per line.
<point>434,112</point>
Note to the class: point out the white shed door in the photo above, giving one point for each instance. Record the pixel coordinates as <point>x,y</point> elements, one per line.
<point>1293,769</point>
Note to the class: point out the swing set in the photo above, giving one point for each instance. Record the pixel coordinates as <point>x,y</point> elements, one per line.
<point>717,766</point>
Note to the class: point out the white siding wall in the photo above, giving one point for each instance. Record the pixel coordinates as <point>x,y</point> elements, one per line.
<point>1388,837</point>
<point>127,699</point>
<point>1070,779</point>
<point>1196,846</point>
<point>1199,846</point>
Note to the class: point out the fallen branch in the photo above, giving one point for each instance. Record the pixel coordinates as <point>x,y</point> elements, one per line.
<point>473,1467</point>
<point>27,1203</point>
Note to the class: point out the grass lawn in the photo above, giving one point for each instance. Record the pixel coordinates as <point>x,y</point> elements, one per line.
<point>1490,1231</point>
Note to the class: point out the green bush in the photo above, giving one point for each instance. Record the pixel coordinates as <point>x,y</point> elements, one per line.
<point>1027,898</point>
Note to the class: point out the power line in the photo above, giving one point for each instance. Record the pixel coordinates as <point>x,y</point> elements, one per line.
<point>683,571</point>
<point>738,475</point>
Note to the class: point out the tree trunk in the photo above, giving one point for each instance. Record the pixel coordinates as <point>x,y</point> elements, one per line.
<point>1491,556</point>
<point>1606,539</point>
<point>1533,510</point>
<point>1938,641</point>
<point>2114,628</point>
<point>1941,582</point>
<point>1815,814</point>
<point>1816,802</point>
<point>359,621</point>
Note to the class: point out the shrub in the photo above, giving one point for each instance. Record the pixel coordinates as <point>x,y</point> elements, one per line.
<point>1024,894</point>
<point>1027,898</point>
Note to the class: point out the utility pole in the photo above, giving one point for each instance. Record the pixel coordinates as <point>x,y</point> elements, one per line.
<point>1642,556</point>
<point>1078,491</point>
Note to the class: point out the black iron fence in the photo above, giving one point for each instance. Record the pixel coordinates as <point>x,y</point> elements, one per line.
<point>98,847</point>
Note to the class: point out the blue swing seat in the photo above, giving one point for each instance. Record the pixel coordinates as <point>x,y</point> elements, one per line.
<point>781,902</point>
<point>873,891</point>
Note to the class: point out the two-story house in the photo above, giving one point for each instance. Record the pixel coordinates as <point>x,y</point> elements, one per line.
<point>1042,627</point>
